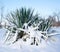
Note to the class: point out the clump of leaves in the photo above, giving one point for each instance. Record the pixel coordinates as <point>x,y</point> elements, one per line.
<point>19,17</point>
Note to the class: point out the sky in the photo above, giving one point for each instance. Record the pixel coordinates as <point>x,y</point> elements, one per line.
<point>42,7</point>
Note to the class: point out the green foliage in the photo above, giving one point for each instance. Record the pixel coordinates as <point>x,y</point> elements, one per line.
<point>23,15</point>
<point>20,16</point>
<point>45,25</point>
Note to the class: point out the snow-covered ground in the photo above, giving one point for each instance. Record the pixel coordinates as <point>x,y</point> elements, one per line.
<point>20,46</point>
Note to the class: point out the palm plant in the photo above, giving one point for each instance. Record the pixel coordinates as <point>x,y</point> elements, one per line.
<point>19,17</point>
<point>46,24</point>
<point>22,16</point>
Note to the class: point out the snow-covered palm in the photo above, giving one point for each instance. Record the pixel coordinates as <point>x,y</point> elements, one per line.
<point>19,18</point>
<point>38,27</point>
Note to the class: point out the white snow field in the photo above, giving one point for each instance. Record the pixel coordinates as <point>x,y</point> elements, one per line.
<point>21,46</point>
